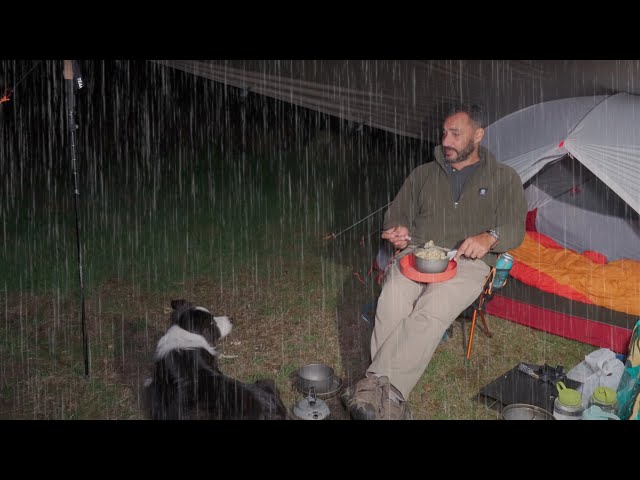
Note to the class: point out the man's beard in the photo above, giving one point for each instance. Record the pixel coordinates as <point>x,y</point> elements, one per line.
<point>463,154</point>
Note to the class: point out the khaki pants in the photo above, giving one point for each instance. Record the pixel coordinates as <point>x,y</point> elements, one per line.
<point>412,317</point>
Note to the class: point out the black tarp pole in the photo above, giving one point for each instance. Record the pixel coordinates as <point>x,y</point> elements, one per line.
<point>71,121</point>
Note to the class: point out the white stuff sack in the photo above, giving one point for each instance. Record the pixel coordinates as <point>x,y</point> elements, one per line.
<point>600,368</point>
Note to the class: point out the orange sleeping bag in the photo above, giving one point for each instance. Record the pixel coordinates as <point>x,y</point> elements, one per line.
<point>586,277</point>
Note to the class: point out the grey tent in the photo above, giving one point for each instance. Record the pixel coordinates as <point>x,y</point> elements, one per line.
<point>591,200</point>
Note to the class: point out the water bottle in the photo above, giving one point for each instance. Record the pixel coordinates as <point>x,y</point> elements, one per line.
<point>503,267</point>
<point>568,403</point>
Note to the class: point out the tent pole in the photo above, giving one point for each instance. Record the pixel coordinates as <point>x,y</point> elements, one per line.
<point>71,120</point>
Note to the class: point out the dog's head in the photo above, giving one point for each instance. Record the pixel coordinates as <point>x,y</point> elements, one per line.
<point>199,320</point>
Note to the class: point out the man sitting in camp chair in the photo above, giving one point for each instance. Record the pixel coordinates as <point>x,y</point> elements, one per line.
<point>463,199</point>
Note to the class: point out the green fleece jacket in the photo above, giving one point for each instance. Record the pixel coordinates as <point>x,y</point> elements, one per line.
<point>492,198</point>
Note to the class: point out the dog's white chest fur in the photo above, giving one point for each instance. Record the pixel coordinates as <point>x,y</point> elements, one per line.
<point>177,338</point>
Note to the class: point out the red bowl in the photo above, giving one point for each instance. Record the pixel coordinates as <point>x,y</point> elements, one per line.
<point>408,269</point>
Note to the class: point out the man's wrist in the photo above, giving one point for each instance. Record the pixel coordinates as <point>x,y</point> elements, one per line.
<point>495,235</point>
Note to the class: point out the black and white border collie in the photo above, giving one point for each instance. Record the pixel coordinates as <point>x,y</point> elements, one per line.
<point>187,382</point>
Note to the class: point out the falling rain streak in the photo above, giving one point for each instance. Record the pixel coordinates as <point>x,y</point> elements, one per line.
<point>197,182</point>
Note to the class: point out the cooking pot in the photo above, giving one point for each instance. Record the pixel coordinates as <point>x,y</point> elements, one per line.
<point>431,266</point>
<point>523,411</point>
<point>317,375</point>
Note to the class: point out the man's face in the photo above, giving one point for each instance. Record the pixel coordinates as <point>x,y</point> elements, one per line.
<point>458,138</point>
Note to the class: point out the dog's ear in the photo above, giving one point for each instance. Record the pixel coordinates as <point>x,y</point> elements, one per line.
<point>177,303</point>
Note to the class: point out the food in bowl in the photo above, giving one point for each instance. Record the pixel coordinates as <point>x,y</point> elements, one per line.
<point>430,252</point>
<point>431,259</point>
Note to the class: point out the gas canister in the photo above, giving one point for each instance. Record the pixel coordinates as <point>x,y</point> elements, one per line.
<point>503,267</point>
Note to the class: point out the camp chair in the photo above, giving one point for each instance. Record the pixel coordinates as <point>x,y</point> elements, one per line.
<point>475,309</point>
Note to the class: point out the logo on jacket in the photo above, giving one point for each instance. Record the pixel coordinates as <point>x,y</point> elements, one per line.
<point>483,191</point>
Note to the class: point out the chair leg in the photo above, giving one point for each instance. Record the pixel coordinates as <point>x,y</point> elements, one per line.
<point>479,309</point>
<point>486,327</point>
<point>471,332</point>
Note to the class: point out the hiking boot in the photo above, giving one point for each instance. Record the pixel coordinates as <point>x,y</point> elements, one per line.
<point>369,400</point>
